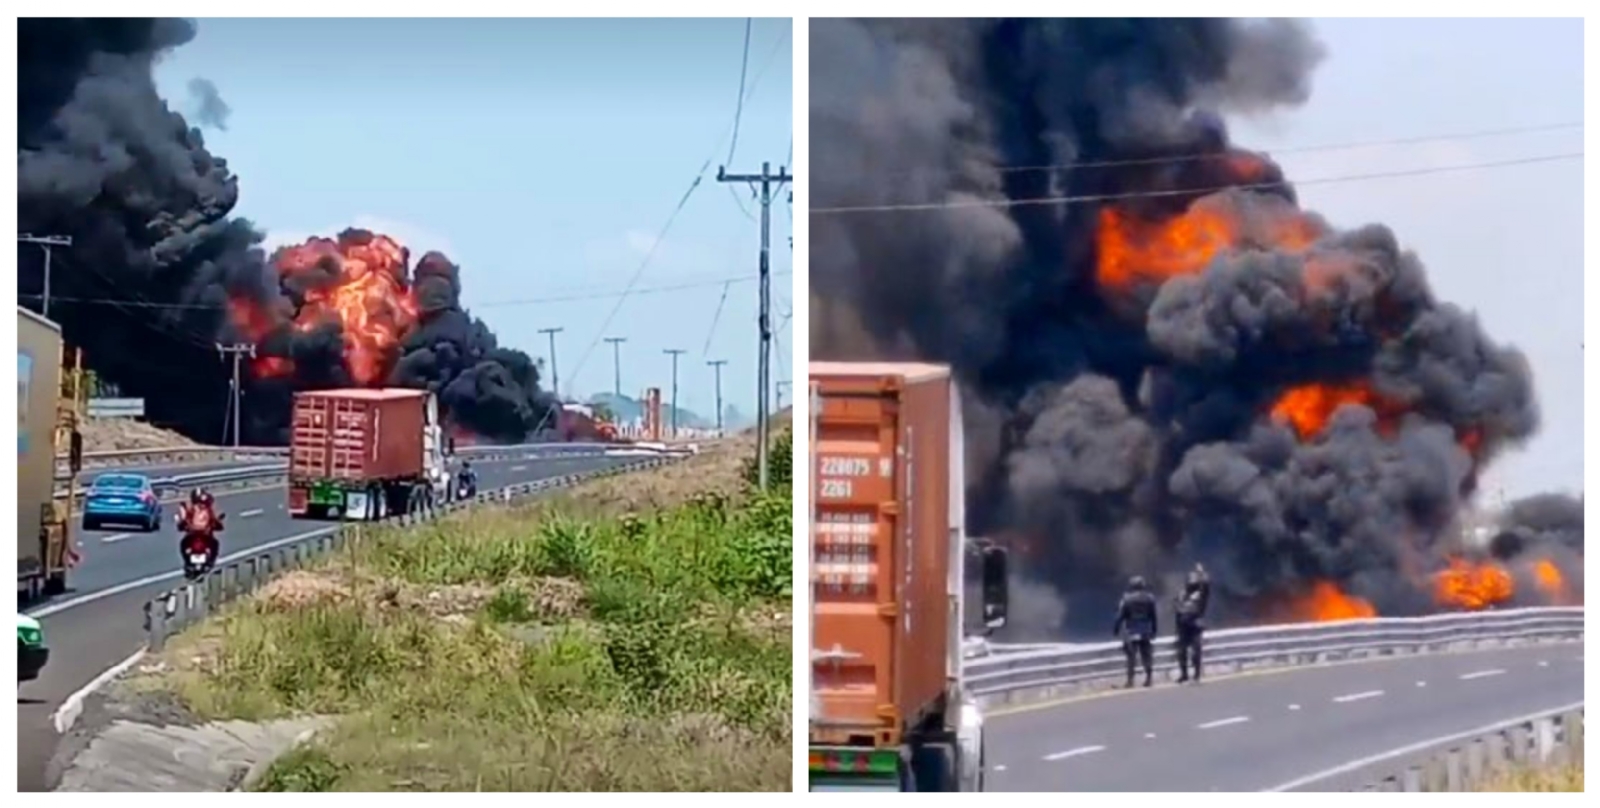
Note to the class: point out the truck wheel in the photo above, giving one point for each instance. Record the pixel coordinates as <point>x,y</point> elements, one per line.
<point>56,584</point>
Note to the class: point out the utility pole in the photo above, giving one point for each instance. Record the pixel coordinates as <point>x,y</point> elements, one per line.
<point>716,367</point>
<point>616,365</point>
<point>768,181</point>
<point>46,242</point>
<point>674,353</point>
<point>555,373</point>
<point>238,351</point>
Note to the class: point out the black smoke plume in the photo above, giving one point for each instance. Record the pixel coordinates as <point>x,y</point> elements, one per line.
<point>1125,427</point>
<point>156,255</point>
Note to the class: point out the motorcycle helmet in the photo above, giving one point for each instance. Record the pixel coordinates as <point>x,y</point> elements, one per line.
<point>1136,583</point>
<point>197,496</point>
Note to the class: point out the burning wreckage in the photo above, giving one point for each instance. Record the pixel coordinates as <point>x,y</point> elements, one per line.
<point>159,271</point>
<point>1172,361</point>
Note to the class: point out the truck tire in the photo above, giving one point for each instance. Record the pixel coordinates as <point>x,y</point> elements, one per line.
<point>934,769</point>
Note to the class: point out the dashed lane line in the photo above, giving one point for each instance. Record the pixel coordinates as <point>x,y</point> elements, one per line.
<point>1224,722</point>
<point>1362,696</point>
<point>1072,753</point>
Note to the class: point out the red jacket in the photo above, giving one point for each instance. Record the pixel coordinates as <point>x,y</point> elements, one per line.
<point>198,518</point>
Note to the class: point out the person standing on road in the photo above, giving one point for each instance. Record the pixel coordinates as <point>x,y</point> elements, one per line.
<point>1191,613</point>
<point>1136,625</point>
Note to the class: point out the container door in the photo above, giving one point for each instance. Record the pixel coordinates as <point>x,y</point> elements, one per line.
<point>351,438</point>
<point>308,454</point>
<point>854,591</point>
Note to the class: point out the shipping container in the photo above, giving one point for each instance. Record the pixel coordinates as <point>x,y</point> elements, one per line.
<point>41,537</point>
<point>358,435</point>
<point>887,549</point>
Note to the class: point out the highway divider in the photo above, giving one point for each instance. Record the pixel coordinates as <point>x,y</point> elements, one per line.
<point>1004,676</point>
<point>242,573</point>
<point>1467,761</point>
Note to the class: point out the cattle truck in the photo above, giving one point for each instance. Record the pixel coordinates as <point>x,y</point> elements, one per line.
<point>47,422</point>
<point>364,454</point>
<point>891,585</point>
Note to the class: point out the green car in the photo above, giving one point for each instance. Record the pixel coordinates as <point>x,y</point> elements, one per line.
<point>31,651</point>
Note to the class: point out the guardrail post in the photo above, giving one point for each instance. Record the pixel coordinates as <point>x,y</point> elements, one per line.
<point>1475,763</point>
<point>1453,774</point>
<point>1521,745</point>
<point>1572,726</point>
<point>1544,739</point>
<point>1411,780</point>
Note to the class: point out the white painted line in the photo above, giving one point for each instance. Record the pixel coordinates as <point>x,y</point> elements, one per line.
<point>1355,765</point>
<point>1294,707</point>
<point>1000,767</point>
<point>518,468</point>
<point>1223,722</point>
<point>1544,663</point>
<point>116,537</point>
<point>1082,750</point>
<point>1149,735</point>
<point>252,512</point>
<point>1421,683</point>
<point>1365,694</point>
<point>1482,674</point>
<point>67,714</point>
<point>56,608</point>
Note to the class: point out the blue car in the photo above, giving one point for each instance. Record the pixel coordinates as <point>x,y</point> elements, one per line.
<point>122,499</point>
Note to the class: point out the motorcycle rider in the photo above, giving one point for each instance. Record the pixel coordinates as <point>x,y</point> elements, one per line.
<point>199,517</point>
<point>1136,625</point>
<point>1191,612</point>
<point>468,478</point>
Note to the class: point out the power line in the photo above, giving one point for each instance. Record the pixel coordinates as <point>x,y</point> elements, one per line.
<point>699,176</point>
<point>1257,186</point>
<point>1357,144</point>
<point>132,303</point>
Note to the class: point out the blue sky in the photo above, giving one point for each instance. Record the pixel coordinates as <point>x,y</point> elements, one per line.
<point>1505,242</point>
<point>543,156</point>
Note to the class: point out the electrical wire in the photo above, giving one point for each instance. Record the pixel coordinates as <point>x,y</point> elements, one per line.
<point>1257,186</point>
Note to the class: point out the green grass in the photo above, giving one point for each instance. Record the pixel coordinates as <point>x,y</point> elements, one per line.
<point>1554,778</point>
<point>524,649</point>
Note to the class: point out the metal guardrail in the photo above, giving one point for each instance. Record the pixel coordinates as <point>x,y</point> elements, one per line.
<point>242,573</point>
<point>1003,677</point>
<point>115,408</point>
<point>1466,762</point>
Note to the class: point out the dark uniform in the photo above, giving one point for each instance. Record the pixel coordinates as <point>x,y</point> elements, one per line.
<point>1136,625</point>
<point>1191,612</point>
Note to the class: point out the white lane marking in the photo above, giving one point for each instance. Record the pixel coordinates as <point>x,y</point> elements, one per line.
<point>56,608</point>
<point>1356,765</point>
<point>1365,694</point>
<point>1294,706</point>
<point>1421,683</point>
<point>518,468</point>
<point>67,714</point>
<point>1482,674</point>
<point>1000,767</point>
<point>116,537</point>
<point>1223,722</point>
<point>1149,735</point>
<point>1082,750</point>
<point>1544,663</point>
<point>252,512</point>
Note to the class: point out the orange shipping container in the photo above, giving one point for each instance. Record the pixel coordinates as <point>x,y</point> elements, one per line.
<point>887,510</point>
<point>357,434</point>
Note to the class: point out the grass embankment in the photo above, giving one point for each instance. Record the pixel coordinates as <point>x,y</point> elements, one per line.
<point>633,634</point>
<point>1557,778</point>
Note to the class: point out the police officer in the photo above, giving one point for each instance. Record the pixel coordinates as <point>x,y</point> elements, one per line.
<point>1191,612</point>
<point>1136,625</point>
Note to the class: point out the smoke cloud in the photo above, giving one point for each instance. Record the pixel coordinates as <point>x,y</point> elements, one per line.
<point>160,270</point>
<point>210,109</point>
<point>1177,363</point>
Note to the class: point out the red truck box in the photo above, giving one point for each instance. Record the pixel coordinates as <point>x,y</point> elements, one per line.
<point>881,614</point>
<point>357,434</point>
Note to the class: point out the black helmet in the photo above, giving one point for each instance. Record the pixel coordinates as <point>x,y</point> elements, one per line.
<point>197,496</point>
<point>205,496</point>
<point>466,465</point>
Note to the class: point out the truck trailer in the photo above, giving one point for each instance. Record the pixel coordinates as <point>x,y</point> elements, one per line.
<point>364,454</point>
<point>891,571</point>
<point>47,421</point>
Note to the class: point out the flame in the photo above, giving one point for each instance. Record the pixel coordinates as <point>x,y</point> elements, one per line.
<point>1326,602</point>
<point>1308,407</point>
<point>358,282</point>
<point>1472,585</point>
<point>1132,249</point>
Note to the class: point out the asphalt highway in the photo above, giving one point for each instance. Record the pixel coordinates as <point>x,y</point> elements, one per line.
<point>1263,731</point>
<point>99,622</point>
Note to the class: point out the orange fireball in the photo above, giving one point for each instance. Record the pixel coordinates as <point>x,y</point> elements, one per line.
<point>1472,585</point>
<point>1308,407</point>
<point>1326,602</point>
<point>1133,249</point>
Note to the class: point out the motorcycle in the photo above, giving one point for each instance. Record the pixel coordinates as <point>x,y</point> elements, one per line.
<point>466,488</point>
<point>197,553</point>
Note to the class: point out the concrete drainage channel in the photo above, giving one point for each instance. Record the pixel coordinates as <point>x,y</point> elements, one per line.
<point>181,756</point>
